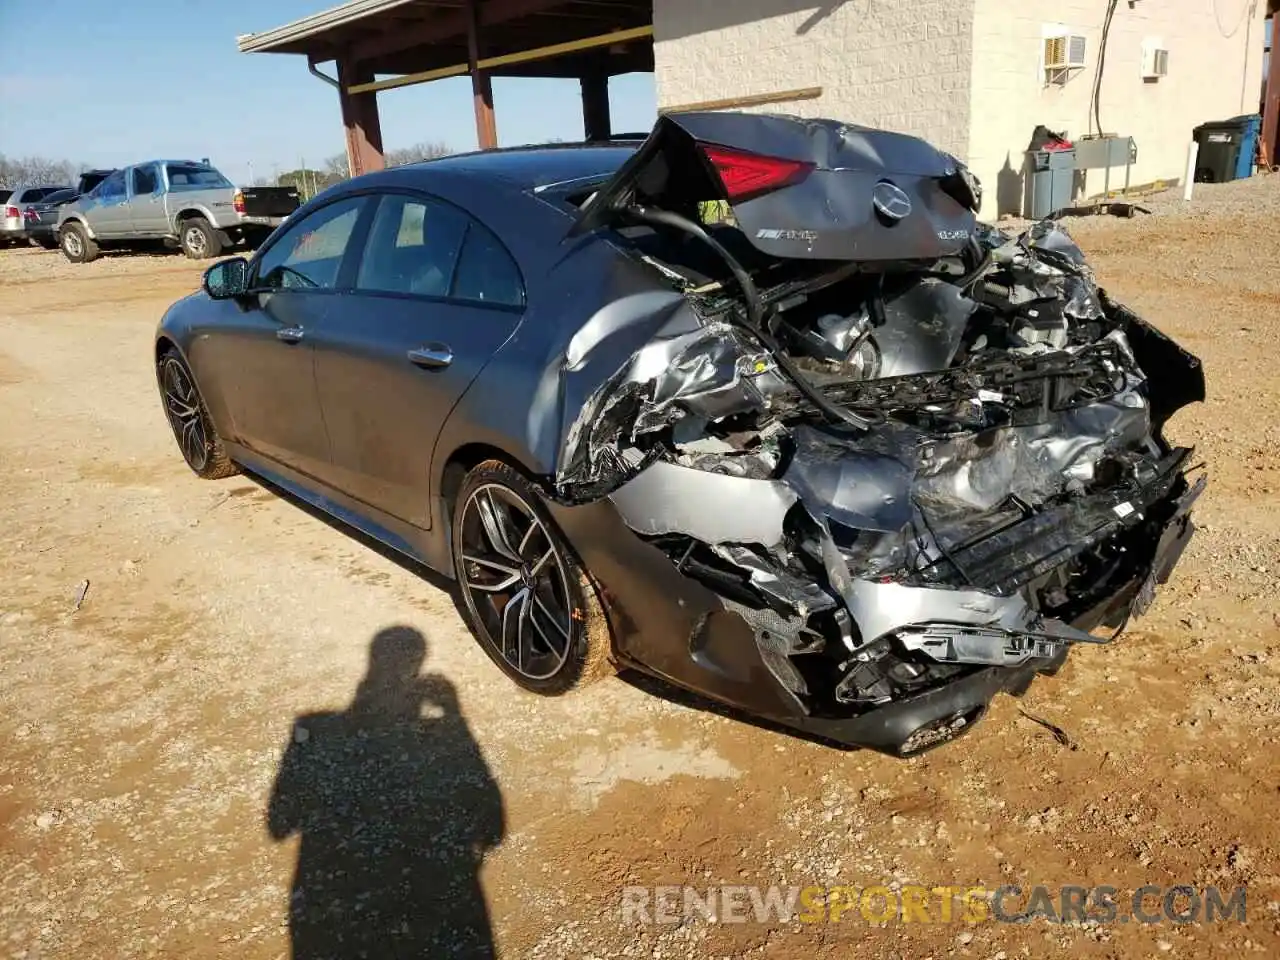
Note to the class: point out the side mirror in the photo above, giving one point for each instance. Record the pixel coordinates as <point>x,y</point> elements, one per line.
<point>227,279</point>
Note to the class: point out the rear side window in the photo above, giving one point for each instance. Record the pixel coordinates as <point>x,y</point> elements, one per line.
<point>413,247</point>
<point>486,272</point>
<point>194,176</point>
<point>430,248</point>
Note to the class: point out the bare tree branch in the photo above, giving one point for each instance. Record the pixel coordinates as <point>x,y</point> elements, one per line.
<point>37,171</point>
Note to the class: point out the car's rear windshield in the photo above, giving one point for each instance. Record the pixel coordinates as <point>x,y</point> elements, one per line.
<point>40,193</point>
<point>58,196</point>
<point>194,176</point>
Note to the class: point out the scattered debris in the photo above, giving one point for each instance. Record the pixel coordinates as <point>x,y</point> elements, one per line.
<point>81,592</point>
<point>1058,733</point>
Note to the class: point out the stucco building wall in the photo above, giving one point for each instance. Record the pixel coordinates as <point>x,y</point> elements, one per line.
<point>967,74</point>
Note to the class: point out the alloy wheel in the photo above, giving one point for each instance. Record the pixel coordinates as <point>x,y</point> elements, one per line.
<point>71,243</point>
<point>182,406</point>
<point>515,581</point>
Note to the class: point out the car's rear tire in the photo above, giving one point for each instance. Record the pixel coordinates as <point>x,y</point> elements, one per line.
<point>198,239</point>
<point>77,246</point>
<point>189,419</point>
<point>528,601</point>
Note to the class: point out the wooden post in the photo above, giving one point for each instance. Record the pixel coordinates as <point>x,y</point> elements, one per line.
<point>360,118</point>
<point>481,88</point>
<point>1271,99</point>
<point>595,105</point>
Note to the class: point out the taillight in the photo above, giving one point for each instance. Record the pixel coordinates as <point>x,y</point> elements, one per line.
<point>238,201</point>
<point>30,214</point>
<point>11,211</point>
<point>746,175</point>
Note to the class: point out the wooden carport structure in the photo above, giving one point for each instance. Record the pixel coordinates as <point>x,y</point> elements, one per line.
<point>1271,90</point>
<point>384,44</point>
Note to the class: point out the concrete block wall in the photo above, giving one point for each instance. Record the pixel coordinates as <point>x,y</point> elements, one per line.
<point>904,66</point>
<point>1215,72</point>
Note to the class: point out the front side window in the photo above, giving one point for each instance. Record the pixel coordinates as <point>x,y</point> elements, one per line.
<point>111,188</point>
<point>145,181</point>
<point>194,176</point>
<point>309,253</point>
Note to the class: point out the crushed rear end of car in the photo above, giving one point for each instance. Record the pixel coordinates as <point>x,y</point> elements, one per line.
<point>913,459</point>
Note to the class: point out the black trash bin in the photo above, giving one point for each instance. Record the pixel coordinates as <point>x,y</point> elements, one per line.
<point>1219,158</point>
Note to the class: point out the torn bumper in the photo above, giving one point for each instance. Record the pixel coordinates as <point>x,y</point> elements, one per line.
<point>992,643</point>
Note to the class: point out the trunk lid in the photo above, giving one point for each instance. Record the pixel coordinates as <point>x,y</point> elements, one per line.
<point>800,188</point>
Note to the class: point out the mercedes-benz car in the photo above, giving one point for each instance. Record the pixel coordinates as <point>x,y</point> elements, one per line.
<point>756,406</point>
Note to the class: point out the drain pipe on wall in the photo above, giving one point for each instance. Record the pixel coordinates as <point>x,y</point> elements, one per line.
<point>311,66</point>
<point>1189,179</point>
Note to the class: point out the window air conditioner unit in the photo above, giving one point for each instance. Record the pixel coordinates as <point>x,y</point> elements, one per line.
<point>1064,52</point>
<point>1155,63</point>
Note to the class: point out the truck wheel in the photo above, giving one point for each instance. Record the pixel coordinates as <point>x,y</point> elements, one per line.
<point>199,240</point>
<point>77,246</point>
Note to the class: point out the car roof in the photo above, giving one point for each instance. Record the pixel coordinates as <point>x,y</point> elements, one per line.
<point>532,167</point>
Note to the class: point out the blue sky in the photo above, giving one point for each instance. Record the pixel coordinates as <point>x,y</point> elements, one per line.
<point>113,83</point>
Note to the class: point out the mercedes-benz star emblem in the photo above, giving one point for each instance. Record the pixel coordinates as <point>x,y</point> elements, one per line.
<point>890,201</point>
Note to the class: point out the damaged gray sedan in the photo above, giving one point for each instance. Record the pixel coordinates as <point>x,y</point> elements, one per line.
<point>757,407</point>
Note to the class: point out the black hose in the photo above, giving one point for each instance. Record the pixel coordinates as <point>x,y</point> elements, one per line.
<point>755,312</point>
<point>1102,63</point>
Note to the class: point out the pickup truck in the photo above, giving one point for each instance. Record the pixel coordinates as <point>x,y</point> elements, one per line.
<point>182,202</point>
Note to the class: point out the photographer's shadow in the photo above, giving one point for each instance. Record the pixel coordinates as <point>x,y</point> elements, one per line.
<point>395,809</point>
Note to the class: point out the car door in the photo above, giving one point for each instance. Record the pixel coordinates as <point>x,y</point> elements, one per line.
<point>108,215</point>
<point>146,201</point>
<point>435,295</point>
<point>264,354</point>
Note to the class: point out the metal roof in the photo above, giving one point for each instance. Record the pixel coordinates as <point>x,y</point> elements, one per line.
<point>289,35</point>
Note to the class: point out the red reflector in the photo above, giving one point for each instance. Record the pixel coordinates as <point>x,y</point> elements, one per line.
<point>747,175</point>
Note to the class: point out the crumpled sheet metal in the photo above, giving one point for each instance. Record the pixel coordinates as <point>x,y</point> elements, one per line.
<point>1047,264</point>
<point>881,495</point>
<point>711,507</point>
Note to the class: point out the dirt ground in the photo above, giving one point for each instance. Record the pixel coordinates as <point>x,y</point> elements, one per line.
<point>214,699</point>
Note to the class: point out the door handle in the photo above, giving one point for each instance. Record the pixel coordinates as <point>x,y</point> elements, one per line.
<point>289,334</point>
<point>433,356</point>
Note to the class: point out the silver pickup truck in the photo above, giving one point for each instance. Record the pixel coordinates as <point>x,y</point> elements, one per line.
<point>181,202</point>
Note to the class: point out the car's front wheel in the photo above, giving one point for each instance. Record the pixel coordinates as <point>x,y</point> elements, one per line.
<point>192,426</point>
<point>532,607</point>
